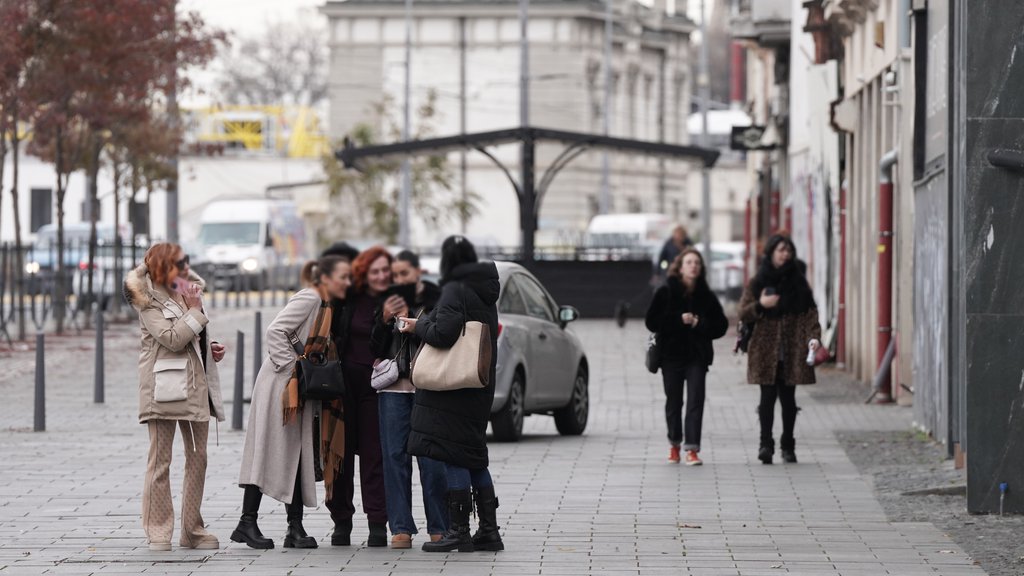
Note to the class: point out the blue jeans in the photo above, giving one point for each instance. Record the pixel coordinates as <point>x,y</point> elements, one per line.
<point>460,478</point>
<point>395,410</point>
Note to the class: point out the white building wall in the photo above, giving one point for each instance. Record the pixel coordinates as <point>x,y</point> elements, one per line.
<point>813,191</point>
<point>566,53</point>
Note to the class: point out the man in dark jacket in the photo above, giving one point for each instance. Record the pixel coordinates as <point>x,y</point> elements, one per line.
<point>673,247</point>
<point>395,404</point>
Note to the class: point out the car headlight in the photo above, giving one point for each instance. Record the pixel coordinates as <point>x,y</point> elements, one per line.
<point>32,268</point>
<point>250,264</point>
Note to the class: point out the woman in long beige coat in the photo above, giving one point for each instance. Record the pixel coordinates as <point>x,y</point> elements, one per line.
<point>178,385</point>
<point>278,457</point>
<point>779,304</point>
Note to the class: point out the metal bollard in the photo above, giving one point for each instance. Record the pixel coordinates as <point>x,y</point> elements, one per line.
<point>97,394</point>
<point>261,286</point>
<point>39,420</point>
<point>236,409</point>
<point>257,347</point>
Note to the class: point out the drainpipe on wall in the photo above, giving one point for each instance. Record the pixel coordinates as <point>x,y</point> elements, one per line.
<point>886,349</point>
<point>747,240</point>
<point>841,320</point>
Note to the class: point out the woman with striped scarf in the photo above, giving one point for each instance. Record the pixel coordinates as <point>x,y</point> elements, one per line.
<point>279,457</point>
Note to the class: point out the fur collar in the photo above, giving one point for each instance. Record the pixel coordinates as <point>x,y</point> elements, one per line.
<point>139,290</point>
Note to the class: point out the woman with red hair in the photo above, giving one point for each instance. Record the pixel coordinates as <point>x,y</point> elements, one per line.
<point>371,276</point>
<point>178,387</point>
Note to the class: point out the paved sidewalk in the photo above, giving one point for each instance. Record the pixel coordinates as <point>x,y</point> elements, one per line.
<point>604,503</point>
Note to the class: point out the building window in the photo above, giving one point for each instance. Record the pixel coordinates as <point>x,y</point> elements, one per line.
<point>42,208</point>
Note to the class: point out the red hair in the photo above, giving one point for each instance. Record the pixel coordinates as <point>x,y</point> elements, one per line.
<point>160,260</point>
<point>366,258</point>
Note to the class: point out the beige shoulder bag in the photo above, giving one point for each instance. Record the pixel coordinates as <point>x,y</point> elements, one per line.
<point>467,364</point>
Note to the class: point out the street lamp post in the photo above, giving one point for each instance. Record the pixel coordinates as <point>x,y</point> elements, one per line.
<point>405,192</point>
<point>702,81</point>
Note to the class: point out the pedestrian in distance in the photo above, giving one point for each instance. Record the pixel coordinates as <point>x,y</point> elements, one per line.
<point>396,403</point>
<point>685,316</point>
<point>178,387</point>
<point>673,247</point>
<point>371,277</point>
<point>451,426</point>
<point>279,457</point>
<point>779,304</point>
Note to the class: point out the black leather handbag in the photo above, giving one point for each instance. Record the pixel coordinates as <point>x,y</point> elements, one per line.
<point>653,358</point>
<point>319,378</point>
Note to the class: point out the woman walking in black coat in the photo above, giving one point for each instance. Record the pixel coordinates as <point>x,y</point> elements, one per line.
<point>685,316</point>
<point>451,426</point>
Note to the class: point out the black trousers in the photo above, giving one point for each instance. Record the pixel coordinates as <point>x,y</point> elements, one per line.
<point>676,375</point>
<point>786,395</point>
<point>362,438</point>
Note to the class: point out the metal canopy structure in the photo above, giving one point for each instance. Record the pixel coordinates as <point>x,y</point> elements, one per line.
<point>529,192</point>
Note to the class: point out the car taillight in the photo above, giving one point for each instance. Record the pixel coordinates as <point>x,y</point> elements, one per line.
<point>84,265</point>
<point>499,329</point>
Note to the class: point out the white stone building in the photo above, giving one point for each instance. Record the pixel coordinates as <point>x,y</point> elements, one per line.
<point>469,53</point>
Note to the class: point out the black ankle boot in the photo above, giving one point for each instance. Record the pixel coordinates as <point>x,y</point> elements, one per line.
<point>457,537</point>
<point>766,451</point>
<point>378,537</point>
<point>342,534</point>
<point>789,456</point>
<point>487,537</point>
<point>247,531</point>
<point>296,536</point>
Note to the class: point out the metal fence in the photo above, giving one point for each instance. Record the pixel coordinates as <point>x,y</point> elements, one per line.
<point>35,296</point>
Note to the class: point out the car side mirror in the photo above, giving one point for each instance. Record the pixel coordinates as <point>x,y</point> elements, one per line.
<point>567,314</point>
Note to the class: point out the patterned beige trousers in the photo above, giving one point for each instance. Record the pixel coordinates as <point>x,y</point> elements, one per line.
<point>157,510</point>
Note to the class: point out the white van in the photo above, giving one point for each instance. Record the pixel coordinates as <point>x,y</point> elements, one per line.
<point>255,239</point>
<point>622,236</point>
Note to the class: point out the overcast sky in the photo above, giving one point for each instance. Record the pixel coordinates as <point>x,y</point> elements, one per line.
<point>248,16</point>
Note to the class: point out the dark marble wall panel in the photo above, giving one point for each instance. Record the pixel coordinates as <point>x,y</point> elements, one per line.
<point>992,205</point>
<point>995,58</point>
<point>995,411</point>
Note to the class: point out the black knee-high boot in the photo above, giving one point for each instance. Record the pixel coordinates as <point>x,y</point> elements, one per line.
<point>247,531</point>
<point>296,536</point>
<point>487,537</point>
<point>460,503</point>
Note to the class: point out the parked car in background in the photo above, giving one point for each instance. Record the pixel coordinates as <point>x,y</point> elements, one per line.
<point>626,236</point>
<point>41,258</point>
<point>726,278</point>
<point>542,367</point>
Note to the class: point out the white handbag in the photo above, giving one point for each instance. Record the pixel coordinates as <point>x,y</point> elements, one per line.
<point>467,364</point>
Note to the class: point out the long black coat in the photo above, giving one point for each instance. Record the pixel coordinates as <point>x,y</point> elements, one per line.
<point>452,426</point>
<point>676,340</point>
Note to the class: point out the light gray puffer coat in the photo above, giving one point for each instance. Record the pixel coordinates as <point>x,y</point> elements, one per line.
<point>173,383</point>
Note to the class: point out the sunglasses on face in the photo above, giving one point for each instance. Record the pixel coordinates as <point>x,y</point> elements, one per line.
<point>182,263</point>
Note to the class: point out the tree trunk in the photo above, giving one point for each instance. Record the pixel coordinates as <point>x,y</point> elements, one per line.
<point>59,304</point>
<point>116,285</point>
<point>132,216</point>
<point>19,254</point>
<point>93,196</point>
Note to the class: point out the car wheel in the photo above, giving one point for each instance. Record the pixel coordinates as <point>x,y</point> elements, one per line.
<point>572,419</point>
<point>508,422</point>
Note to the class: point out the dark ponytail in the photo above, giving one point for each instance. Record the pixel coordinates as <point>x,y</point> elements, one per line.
<point>313,270</point>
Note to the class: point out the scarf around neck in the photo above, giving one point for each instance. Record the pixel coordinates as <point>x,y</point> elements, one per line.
<point>318,342</point>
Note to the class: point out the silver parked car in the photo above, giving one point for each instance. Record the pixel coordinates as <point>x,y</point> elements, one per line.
<point>542,368</point>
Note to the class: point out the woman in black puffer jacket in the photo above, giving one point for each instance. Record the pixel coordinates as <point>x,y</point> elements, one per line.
<point>685,316</point>
<point>452,426</point>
